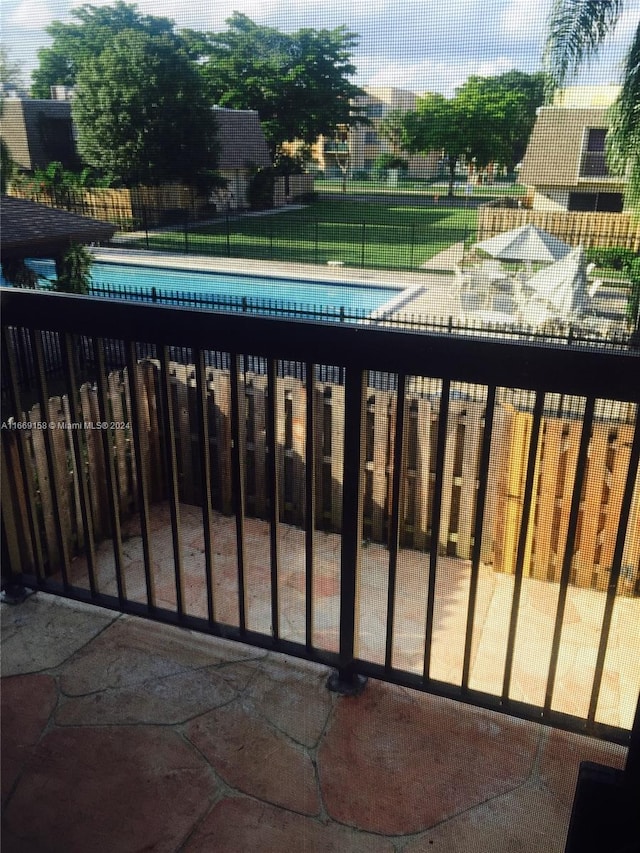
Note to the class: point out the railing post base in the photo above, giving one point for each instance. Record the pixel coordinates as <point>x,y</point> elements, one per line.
<point>15,593</point>
<point>346,683</point>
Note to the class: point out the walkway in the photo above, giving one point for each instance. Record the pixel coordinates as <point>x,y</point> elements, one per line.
<point>122,735</point>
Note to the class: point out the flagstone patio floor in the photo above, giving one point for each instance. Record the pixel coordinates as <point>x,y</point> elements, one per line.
<point>119,734</point>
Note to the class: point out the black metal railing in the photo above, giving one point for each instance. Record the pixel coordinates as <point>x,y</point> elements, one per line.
<point>586,375</point>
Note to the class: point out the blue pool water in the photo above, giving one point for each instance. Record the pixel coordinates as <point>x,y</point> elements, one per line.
<point>356,298</point>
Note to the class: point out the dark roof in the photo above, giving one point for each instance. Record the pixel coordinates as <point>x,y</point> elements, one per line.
<point>557,143</point>
<point>241,139</point>
<point>38,131</point>
<point>28,229</point>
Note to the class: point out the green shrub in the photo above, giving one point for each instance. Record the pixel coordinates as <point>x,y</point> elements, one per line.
<point>360,175</point>
<point>611,257</point>
<point>260,190</point>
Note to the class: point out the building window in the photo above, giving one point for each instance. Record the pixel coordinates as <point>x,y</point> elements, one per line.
<point>594,158</point>
<point>596,202</point>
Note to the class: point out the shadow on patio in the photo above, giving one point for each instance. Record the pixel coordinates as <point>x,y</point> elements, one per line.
<point>125,735</point>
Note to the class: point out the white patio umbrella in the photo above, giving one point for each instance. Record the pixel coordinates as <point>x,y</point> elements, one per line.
<point>526,243</point>
<point>563,287</point>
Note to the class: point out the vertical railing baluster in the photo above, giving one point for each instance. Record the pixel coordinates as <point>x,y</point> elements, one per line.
<point>567,560</point>
<point>483,480</point>
<point>110,471</point>
<point>396,511</point>
<point>616,566</point>
<point>238,477</point>
<point>43,398</point>
<point>205,465</point>
<point>310,500</point>
<point>26,472</point>
<point>171,467</point>
<point>436,515</point>
<point>85,503</point>
<point>143,484</point>
<point>525,521</point>
<point>274,494</point>
<point>346,680</point>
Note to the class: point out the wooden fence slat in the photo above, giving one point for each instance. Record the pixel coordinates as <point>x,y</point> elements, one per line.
<point>495,475</point>
<point>222,407</point>
<point>337,461</point>
<point>472,438</point>
<point>259,386</point>
<point>426,423</point>
<point>451,427</point>
<point>592,509</point>
<point>77,471</point>
<point>299,431</point>
<point>546,499</point>
<point>381,428</point>
<point>149,370</point>
<point>14,504</point>
<point>44,487</point>
<point>125,471</point>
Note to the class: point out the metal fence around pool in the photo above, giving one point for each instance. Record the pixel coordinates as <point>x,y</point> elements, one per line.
<point>407,532</point>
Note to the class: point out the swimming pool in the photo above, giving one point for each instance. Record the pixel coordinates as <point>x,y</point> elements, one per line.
<point>110,279</point>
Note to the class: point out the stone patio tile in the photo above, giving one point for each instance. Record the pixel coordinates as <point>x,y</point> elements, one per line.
<point>240,825</point>
<point>410,761</point>
<point>174,699</point>
<point>255,759</point>
<point>292,695</point>
<point>527,820</point>
<point>121,789</point>
<point>32,640</point>
<point>561,755</point>
<point>27,704</point>
<point>134,651</point>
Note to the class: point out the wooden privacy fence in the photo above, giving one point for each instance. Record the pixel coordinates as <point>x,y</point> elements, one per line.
<point>555,463</point>
<point>125,208</point>
<point>576,228</point>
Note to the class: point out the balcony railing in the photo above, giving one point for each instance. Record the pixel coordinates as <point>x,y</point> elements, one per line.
<point>447,513</point>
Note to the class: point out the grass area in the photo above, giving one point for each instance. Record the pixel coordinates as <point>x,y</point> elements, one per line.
<point>421,188</point>
<point>388,236</point>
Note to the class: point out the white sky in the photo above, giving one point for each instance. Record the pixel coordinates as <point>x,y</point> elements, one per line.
<point>421,45</point>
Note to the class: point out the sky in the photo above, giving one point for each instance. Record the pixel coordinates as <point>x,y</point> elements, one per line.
<point>420,45</point>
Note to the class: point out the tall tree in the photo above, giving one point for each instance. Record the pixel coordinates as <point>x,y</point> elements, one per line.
<point>577,29</point>
<point>298,83</point>
<point>437,124</point>
<point>142,114</point>
<point>83,41</point>
<point>488,120</point>
<point>509,103</point>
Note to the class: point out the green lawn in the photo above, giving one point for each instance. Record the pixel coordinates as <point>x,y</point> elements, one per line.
<point>420,188</point>
<point>388,236</point>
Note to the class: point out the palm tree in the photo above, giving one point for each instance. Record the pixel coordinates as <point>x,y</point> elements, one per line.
<point>577,28</point>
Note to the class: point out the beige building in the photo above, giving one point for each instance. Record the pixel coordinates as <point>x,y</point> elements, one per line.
<point>358,151</point>
<point>565,165</point>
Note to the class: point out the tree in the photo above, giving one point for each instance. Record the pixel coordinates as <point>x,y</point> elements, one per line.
<point>76,44</point>
<point>438,124</point>
<point>73,270</point>
<point>488,120</point>
<point>298,83</point>
<point>392,129</point>
<point>143,116</point>
<point>576,30</point>
<point>506,106</point>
